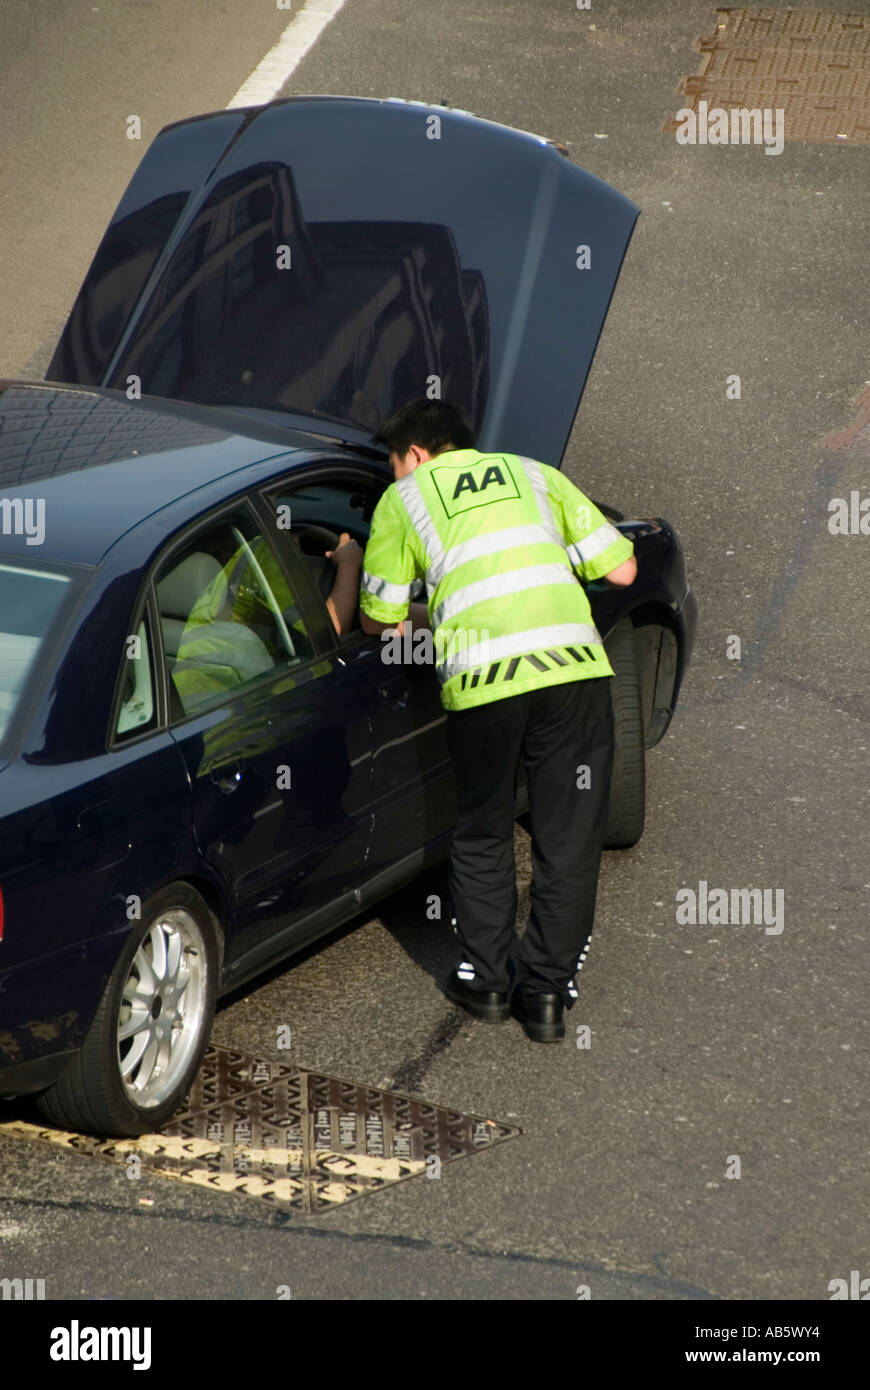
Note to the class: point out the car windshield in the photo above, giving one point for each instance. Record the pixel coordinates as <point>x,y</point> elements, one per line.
<point>30,600</point>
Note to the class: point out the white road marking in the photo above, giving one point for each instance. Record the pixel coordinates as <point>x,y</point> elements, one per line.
<point>269,76</point>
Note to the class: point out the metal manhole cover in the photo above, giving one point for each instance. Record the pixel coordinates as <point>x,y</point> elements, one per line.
<point>814,66</point>
<point>294,1137</point>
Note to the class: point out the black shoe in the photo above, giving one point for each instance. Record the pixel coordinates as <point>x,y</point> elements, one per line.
<point>542,1015</point>
<point>482,1003</point>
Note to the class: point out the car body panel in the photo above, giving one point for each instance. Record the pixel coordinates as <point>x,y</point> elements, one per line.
<point>411,775</point>
<point>424,250</point>
<point>280,794</point>
<point>82,844</point>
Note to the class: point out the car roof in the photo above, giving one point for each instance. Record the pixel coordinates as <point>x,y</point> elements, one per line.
<point>101,464</point>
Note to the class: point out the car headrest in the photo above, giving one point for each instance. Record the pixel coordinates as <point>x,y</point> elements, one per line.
<point>182,587</point>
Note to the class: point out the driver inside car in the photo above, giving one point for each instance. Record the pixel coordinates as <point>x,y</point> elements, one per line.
<point>343,602</point>
<point>250,599</point>
<point>240,582</point>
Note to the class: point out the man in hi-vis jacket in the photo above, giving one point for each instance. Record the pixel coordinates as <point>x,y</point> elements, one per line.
<point>501,544</point>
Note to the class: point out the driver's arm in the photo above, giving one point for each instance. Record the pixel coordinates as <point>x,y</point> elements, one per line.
<point>344,596</point>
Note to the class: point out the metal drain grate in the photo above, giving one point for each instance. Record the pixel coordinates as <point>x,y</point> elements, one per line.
<point>293,1137</point>
<point>815,66</point>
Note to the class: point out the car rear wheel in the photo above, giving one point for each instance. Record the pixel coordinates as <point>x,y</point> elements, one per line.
<point>152,1025</point>
<point>628,782</point>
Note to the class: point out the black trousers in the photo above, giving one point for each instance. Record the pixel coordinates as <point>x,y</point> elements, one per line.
<point>559,731</point>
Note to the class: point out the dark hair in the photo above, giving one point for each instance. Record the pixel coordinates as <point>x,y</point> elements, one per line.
<point>429,424</point>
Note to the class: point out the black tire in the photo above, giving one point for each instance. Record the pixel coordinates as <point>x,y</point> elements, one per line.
<point>628,782</point>
<point>91,1096</point>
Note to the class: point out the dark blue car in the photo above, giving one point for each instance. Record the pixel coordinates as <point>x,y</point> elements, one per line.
<point>198,774</point>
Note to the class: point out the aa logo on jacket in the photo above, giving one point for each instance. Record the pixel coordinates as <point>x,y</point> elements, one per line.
<point>488,480</point>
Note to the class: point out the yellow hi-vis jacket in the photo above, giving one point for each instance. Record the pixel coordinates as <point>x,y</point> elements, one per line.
<point>499,542</point>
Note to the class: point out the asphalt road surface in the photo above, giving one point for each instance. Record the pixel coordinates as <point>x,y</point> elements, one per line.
<point>706,1042</point>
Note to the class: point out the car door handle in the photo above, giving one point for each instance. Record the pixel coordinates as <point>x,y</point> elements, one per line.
<point>88,811</point>
<point>396,691</point>
<point>227,777</point>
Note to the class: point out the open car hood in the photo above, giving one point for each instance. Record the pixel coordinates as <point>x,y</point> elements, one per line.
<point>335,257</point>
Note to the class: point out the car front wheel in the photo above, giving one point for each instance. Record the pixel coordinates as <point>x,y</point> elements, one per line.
<point>152,1025</point>
<point>628,782</point>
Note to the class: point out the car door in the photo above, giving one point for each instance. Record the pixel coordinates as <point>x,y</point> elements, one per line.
<point>411,775</point>
<point>274,737</point>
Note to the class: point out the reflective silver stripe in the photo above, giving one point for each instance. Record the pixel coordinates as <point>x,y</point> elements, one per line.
<point>416,587</point>
<point>383,589</point>
<point>593,544</point>
<point>529,577</point>
<point>542,497</point>
<point>415,505</point>
<point>517,644</point>
<point>508,539</point>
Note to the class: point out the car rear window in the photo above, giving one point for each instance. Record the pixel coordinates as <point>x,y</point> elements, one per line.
<point>30,600</point>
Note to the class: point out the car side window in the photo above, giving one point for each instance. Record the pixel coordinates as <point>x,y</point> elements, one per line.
<point>137,709</point>
<point>314,514</point>
<point>227,615</point>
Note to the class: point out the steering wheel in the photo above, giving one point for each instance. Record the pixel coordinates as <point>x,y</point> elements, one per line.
<point>323,539</point>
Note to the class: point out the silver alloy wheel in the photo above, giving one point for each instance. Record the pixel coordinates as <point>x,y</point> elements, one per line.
<point>162,1008</point>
